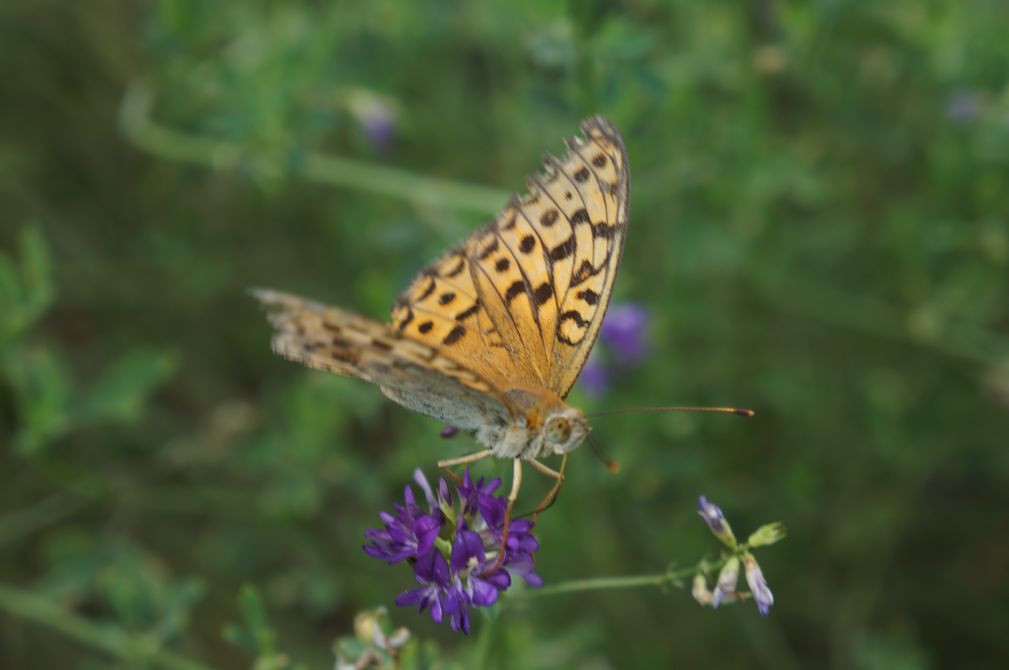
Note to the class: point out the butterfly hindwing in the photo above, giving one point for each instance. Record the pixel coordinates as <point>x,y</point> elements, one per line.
<point>413,373</point>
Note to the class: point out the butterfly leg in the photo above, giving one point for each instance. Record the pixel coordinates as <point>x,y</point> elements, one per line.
<point>448,463</point>
<point>551,497</point>
<point>512,497</point>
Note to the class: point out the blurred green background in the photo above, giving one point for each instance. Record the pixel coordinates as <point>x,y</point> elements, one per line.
<point>819,230</point>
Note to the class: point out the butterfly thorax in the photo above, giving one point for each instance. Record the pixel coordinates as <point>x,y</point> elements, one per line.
<point>542,425</point>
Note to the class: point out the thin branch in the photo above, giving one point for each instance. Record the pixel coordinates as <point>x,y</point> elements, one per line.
<point>136,120</point>
<point>30,607</point>
<point>671,577</point>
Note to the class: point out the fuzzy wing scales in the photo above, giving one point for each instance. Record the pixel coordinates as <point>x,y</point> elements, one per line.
<point>412,373</point>
<point>522,299</point>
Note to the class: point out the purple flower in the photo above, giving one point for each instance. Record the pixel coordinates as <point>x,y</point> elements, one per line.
<point>379,125</point>
<point>963,107</point>
<point>624,344</point>
<point>407,535</point>
<point>712,515</point>
<point>758,585</point>
<point>454,549</point>
<point>376,116</point>
<point>595,378</point>
<point>624,331</point>
<point>431,571</point>
<point>728,576</point>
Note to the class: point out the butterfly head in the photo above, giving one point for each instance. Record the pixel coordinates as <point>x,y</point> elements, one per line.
<point>564,430</point>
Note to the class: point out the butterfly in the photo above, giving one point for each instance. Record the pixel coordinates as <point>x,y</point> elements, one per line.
<point>492,336</point>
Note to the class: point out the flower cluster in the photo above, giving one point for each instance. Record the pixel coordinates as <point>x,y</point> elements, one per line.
<point>453,546</point>
<point>728,576</point>
<point>625,345</point>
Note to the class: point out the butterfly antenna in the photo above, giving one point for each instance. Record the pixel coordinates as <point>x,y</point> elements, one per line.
<point>738,411</point>
<point>611,464</point>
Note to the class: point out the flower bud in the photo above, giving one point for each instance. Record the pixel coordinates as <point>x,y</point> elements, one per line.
<point>766,534</point>
<point>398,639</point>
<point>713,516</point>
<point>758,586</point>
<point>700,590</point>
<point>367,624</point>
<point>725,589</point>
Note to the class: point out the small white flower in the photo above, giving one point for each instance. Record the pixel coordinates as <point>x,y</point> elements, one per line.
<point>725,589</point>
<point>758,585</point>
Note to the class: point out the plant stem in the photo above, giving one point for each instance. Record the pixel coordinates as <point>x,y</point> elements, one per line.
<point>135,118</point>
<point>30,607</point>
<point>602,583</point>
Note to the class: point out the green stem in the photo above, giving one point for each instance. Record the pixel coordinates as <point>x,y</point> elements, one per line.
<point>42,514</point>
<point>135,117</point>
<point>672,577</point>
<point>134,651</point>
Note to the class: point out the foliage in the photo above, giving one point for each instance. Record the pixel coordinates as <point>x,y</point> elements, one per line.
<point>818,231</point>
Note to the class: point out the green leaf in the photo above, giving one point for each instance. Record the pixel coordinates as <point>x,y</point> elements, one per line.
<point>121,391</point>
<point>36,272</point>
<point>42,390</point>
<point>26,288</point>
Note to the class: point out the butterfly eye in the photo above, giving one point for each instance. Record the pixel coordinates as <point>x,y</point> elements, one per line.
<point>558,430</point>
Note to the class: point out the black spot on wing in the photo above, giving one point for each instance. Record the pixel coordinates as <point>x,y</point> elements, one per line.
<point>582,175</point>
<point>502,265</point>
<point>406,320</point>
<point>570,315</point>
<point>581,216</point>
<point>446,298</point>
<point>378,344</point>
<point>428,291</point>
<point>488,250</point>
<point>426,327</point>
<point>549,218</point>
<point>457,269</point>
<point>454,335</point>
<point>517,288</point>
<point>605,231</point>
<point>462,316</point>
<point>543,293</point>
<point>585,271</point>
<point>527,244</point>
<point>563,250</point>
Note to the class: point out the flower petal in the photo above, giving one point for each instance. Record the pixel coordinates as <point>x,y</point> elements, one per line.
<point>484,593</point>
<point>758,585</point>
<point>468,545</point>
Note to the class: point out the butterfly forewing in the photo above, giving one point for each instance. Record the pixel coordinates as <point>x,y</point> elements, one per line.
<point>598,169</point>
<point>522,299</point>
<point>444,308</point>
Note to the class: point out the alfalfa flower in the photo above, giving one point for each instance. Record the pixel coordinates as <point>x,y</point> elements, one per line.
<point>712,515</point>
<point>728,575</point>
<point>725,588</point>
<point>758,585</point>
<point>454,546</point>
